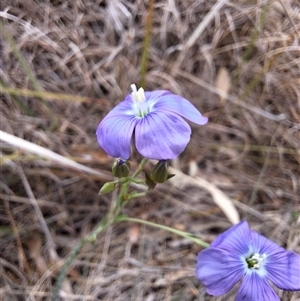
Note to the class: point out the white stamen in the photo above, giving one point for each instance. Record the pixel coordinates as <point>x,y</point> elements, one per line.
<point>258,260</point>
<point>133,88</point>
<point>138,96</point>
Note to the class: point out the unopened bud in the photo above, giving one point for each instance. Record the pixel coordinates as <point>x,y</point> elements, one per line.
<point>160,172</point>
<point>121,168</point>
<point>107,188</point>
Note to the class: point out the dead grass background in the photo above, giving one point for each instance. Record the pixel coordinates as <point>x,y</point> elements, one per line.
<point>248,52</point>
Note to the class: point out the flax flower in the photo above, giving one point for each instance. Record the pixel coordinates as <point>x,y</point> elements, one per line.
<point>155,119</point>
<point>240,254</point>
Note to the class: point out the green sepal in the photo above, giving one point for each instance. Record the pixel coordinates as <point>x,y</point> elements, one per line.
<point>149,182</point>
<point>160,172</point>
<point>170,176</point>
<point>107,188</point>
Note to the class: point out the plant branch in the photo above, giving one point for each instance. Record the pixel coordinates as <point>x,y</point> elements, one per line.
<point>187,235</point>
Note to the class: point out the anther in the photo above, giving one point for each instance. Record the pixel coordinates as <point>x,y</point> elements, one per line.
<point>138,95</point>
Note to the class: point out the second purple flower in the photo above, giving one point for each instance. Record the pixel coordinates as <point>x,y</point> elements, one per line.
<point>241,254</point>
<point>156,120</point>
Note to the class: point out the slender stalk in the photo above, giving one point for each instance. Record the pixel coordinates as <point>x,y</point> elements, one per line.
<point>90,238</point>
<point>140,168</point>
<point>63,272</point>
<point>9,39</point>
<point>50,95</point>
<point>110,219</point>
<point>23,107</point>
<point>187,235</point>
<point>26,68</point>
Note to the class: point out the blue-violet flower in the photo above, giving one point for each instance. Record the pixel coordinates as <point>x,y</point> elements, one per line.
<point>242,254</point>
<point>156,121</point>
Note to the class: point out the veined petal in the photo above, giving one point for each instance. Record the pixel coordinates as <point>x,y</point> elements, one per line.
<point>125,107</point>
<point>255,288</point>
<point>161,136</point>
<point>179,105</point>
<point>263,245</point>
<point>236,239</point>
<point>218,270</point>
<point>155,96</point>
<point>114,135</point>
<point>283,269</point>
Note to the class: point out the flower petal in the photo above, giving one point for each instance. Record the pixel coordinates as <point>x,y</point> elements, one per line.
<point>123,108</point>
<point>218,270</point>
<point>161,136</point>
<point>179,105</point>
<point>282,267</point>
<point>155,96</point>
<point>114,134</point>
<point>236,239</point>
<point>255,288</point>
<point>284,270</point>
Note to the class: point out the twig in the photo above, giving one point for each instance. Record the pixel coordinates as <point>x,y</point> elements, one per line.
<point>46,153</point>
<point>144,58</point>
<point>49,240</point>
<point>231,98</point>
<point>196,34</point>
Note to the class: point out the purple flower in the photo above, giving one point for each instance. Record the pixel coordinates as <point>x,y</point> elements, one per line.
<point>242,254</point>
<point>156,120</point>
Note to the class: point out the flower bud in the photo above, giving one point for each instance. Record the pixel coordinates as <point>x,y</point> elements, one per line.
<point>107,188</point>
<point>160,172</point>
<point>121,168</point>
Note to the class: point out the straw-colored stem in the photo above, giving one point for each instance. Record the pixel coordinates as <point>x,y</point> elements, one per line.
<point>146,44</point>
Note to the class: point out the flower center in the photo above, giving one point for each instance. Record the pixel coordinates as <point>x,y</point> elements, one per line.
<point>140,106</point>
<point>255,261</point>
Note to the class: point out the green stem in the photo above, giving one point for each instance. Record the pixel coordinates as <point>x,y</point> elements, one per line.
<point>9,39</point>
<point>91,238</point>
<point>23,107</point>
<point>49,95</point>
<point>187,235</point>
<point>111,218</point>
<point>140,168</point>
<point>138,195</point>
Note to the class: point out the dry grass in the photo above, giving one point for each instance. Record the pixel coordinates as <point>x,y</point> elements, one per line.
<point>237,61</point>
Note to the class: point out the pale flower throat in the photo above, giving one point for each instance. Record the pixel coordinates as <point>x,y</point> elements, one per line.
<point>140,106</point>
<point>255,261</point>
